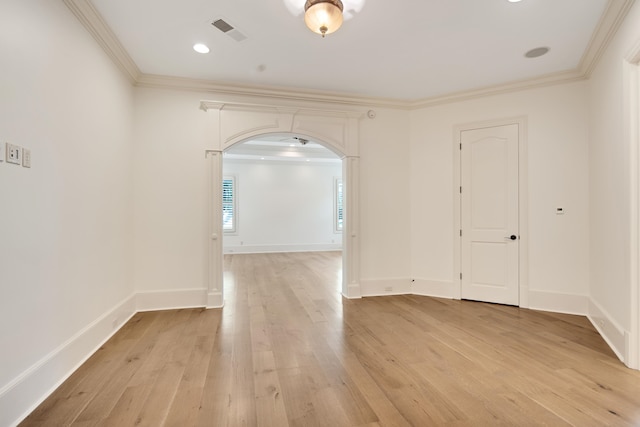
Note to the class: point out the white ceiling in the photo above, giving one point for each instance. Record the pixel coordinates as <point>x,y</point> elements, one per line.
<point>405,50</point>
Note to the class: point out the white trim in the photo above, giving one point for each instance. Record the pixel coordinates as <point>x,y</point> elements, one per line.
<point>337,130</point>
<point>353,291</point>
<point>171,299</point>
<point>558,302</point>
<point>433,288</point>
<point>215,299</point>
<point>215,273</point>
<point>382,287</point>
<point>610,21</point>
<point>29,389</point>
<point>609,329</point>
<point>523,190</point>
<point>612,18</point>
<point>89,16</point>
<point>264,249</point>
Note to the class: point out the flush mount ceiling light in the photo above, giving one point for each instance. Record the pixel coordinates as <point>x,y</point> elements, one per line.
<point>200,48</point>
<point>323,16</point>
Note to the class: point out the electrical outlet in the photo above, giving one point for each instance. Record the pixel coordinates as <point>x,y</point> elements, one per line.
<point>26,158</point>
<point>14,154</point>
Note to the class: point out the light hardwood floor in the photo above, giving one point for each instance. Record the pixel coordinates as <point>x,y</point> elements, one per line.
<point>287,350</point>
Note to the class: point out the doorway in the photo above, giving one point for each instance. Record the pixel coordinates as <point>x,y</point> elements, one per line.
<point>234,122</point>
<point>279,195</point>
<point>490,212</point>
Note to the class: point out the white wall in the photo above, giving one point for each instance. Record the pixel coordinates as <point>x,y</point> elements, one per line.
<point>170,192</point>
<point>610,187</point>
<point>65,224</point>
<point>557,119</point>
<point>384,198</point>
<point>283,206</point>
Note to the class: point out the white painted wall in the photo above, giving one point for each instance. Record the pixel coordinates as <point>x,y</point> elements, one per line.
<point>610,286</point>
<point>557,174</point>
<point>65,224</point>
<point>283,206</point>
<point>384,196</point>
<point>170,192</point>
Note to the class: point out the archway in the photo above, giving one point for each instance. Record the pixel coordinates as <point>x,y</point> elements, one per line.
<point>336,130</point>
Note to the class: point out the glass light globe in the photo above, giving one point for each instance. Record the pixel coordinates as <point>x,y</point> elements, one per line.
<point>323,17</point>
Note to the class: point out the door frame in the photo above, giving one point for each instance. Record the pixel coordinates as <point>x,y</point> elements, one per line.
<point>337,130</point>
<point>523,198</point>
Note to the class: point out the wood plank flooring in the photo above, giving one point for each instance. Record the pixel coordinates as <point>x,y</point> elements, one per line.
<point>287,350</point>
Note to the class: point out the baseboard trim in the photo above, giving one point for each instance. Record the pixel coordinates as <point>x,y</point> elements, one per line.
<point>353,291</point>
<point>384,287</point>
<point>262,249</point>
<point>171,299</point>
<point>610,330</point>
<point>215,300</point>
<point>41,379</point>
<point>558,302</point>
<point>432,288</point>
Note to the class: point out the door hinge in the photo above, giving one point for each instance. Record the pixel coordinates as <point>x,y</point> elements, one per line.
<point>461,189</point>
<point>460,276</point>
<point>460,233</point>
<point>461,145</point>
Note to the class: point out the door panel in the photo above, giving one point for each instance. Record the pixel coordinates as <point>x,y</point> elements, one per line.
<point>489,214</point>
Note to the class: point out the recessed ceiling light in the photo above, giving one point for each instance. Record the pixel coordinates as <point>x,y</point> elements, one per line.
<point>201,48</point>
<point>538,51</point>
<point>513,1</point>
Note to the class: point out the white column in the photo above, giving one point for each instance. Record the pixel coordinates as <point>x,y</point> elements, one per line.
<point>215,294</point>
<point>351,237</point>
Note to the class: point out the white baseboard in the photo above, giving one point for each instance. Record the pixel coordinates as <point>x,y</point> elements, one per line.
<point>22,395</point>
<point>261,249</point>
<point>353,291</point>
<point>171,299</point>
<point>381,287</point>
<point>215,300</point>
<point>558,303</point>
<point>432,288</point>
<point>610,330</point>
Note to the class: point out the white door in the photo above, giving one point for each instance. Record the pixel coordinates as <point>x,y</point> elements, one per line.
<point>489,214</point>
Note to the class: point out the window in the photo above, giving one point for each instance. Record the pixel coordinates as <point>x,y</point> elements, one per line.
<point>339,212</point>
<point>229,216</point>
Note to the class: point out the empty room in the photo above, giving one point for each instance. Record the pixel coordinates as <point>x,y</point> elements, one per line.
<point>321,212</point>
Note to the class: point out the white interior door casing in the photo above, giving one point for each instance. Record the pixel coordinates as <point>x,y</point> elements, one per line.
<point>489,204</point>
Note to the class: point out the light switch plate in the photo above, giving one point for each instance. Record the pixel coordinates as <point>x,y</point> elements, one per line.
<point>14,154</point>
<point>26,158</point>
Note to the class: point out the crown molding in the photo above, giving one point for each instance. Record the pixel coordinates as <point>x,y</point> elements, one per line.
<point>612,18</point>
<point>515,86</point>
<point>89,16</point>
<point>270,92</point>
<point>610,22</point>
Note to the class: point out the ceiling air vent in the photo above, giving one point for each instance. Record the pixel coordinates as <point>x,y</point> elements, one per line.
<point>228,29</point>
